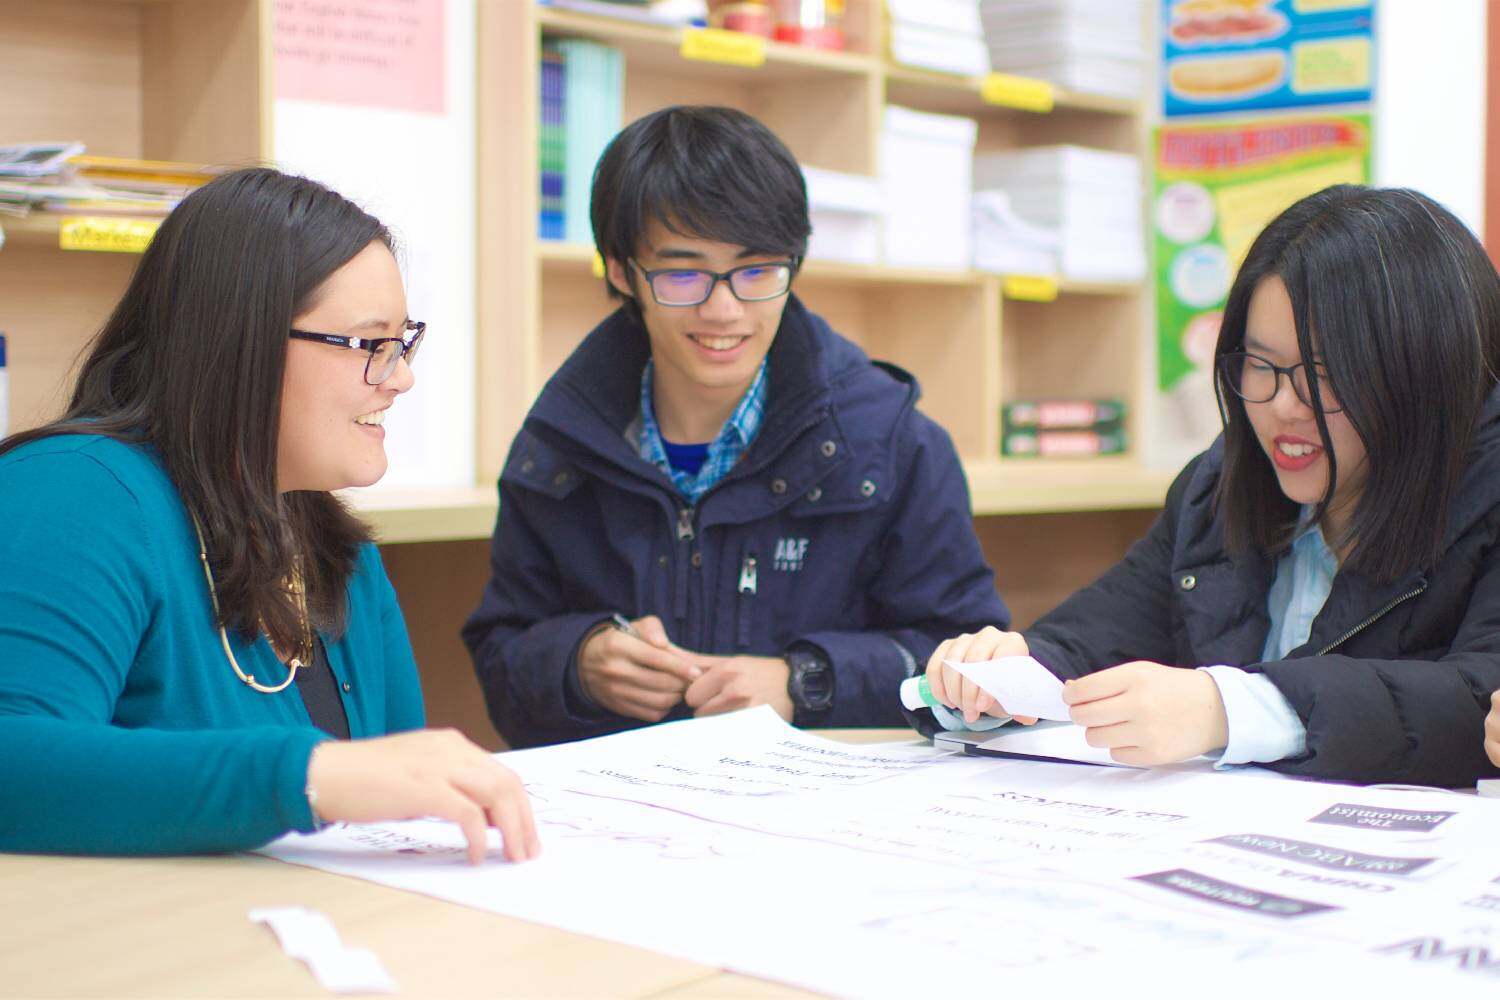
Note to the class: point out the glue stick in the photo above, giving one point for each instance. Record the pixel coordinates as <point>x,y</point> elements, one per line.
<point>916,694</point>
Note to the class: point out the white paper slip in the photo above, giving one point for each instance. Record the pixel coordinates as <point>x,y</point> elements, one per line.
<point>1020,684</point>
<point>310,936</point>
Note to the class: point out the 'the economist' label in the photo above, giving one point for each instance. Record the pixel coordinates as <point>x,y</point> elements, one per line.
<point>1375,818</point>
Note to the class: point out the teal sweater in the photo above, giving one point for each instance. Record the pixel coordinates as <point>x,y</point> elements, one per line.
<point>123,729</point>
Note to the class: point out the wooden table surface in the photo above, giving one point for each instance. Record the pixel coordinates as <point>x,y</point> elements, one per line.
<point>177,927</point>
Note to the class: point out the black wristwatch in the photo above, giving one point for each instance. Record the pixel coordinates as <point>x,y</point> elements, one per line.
<point>810,682</point>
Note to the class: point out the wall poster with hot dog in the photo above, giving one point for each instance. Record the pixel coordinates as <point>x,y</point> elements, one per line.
<point>1255,55</point>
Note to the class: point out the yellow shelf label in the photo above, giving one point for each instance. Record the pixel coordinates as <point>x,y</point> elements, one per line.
<point>733,48</point>
<point>597,265</point>
<point>1030,287</point>
<point>106,234</point>
<point>1020,92</point>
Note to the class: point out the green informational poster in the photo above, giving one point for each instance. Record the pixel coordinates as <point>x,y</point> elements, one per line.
<point>1216,187</point>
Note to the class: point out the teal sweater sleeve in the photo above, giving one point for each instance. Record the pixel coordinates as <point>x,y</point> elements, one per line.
<point>80,596</point>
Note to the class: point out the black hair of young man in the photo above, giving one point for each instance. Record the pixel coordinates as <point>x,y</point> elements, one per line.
<point>708,172</point>
<point>1397,298</point>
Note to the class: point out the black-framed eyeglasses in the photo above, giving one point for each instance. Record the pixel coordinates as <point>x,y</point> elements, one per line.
<point>1257,380</point>
<point>385,352</point>
<point>691,286</point>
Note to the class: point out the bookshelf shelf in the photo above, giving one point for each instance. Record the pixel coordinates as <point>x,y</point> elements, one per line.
<point>998,487</point>
<point>43,231</point>
<point>949,93</point>
<point>39,231</point>
<point>658,47</point>
<point>561,256</point>
<point>437,515</point>
<point>1049,486</point>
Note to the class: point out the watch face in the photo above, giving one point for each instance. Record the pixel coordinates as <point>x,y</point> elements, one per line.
<point>812,683</point>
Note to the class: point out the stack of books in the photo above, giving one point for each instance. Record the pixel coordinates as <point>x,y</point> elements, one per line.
<point>582,107</point>
<point>1089,46</point>
<point>941,35</point>
<point>1091,199</point>
<point>553,156</point>
<point>1062,428</point>
<point>60,177</point>
<point>672,12</point>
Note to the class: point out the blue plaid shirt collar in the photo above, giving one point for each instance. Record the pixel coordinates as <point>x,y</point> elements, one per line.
<point>723,452</point>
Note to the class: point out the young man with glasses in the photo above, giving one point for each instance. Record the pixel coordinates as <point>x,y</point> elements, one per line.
<point>717,501</point>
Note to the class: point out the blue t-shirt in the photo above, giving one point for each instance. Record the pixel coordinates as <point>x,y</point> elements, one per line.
<point>685,458</point>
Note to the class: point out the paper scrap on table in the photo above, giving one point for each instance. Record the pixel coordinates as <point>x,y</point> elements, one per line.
<point>310,936</point>
<point>1020,684</point>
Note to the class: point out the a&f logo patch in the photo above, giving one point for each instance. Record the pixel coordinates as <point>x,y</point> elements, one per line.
<point>790,554</point>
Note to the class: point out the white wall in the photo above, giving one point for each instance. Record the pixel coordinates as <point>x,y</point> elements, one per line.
<point>1430,101</point>
<point>416,173</point>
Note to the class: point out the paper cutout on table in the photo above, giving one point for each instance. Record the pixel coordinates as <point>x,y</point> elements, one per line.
<point>387,54</point>
<point>309,936</point>
<point>1020,684</point>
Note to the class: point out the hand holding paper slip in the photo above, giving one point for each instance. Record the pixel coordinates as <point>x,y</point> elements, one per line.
<point>1020,684</point>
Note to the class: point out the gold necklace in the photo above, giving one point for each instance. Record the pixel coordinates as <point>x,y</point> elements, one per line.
<point>296,662</point>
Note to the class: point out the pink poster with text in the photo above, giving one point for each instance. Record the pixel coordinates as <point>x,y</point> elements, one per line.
<point>387,54</point>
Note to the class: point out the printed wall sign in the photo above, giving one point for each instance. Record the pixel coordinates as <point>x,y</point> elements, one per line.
<point>1242,55</point>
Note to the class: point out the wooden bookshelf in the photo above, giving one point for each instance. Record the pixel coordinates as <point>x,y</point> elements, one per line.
<point>192,80</point>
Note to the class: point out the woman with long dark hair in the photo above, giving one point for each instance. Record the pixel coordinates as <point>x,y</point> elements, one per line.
<point>199,648</point>
<point>1330,565</point>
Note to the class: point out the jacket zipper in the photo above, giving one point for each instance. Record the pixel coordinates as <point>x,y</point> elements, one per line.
<point>749,585</point>
<point>1356,630</point>
<point>683,561</point>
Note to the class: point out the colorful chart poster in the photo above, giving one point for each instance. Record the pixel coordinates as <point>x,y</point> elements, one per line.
<point>1244,55</point>
<point>1217,186</point>
<point>386,54</point>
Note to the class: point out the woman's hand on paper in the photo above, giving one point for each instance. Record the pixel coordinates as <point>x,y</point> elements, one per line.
<point>430,772</point>
<point>955,690</point>
<point>1492,730</point>
<point>641,676</point>
<point>1149,713</point>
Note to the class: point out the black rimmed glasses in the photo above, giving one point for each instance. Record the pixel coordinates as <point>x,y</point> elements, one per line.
<point>1257,380</point>
<point>689,286</point>
<point>385,352</point>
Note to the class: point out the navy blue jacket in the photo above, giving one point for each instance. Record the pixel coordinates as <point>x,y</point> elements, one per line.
<point>1394,682</point>
<point>852,504</point>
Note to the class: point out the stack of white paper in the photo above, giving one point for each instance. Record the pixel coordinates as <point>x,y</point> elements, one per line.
<point>845,210</point>
<point>1005,243</point>
<point>1090,199</point>
<point>925,169</point>
<point>1092,46</point>
<point>942,35</point>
